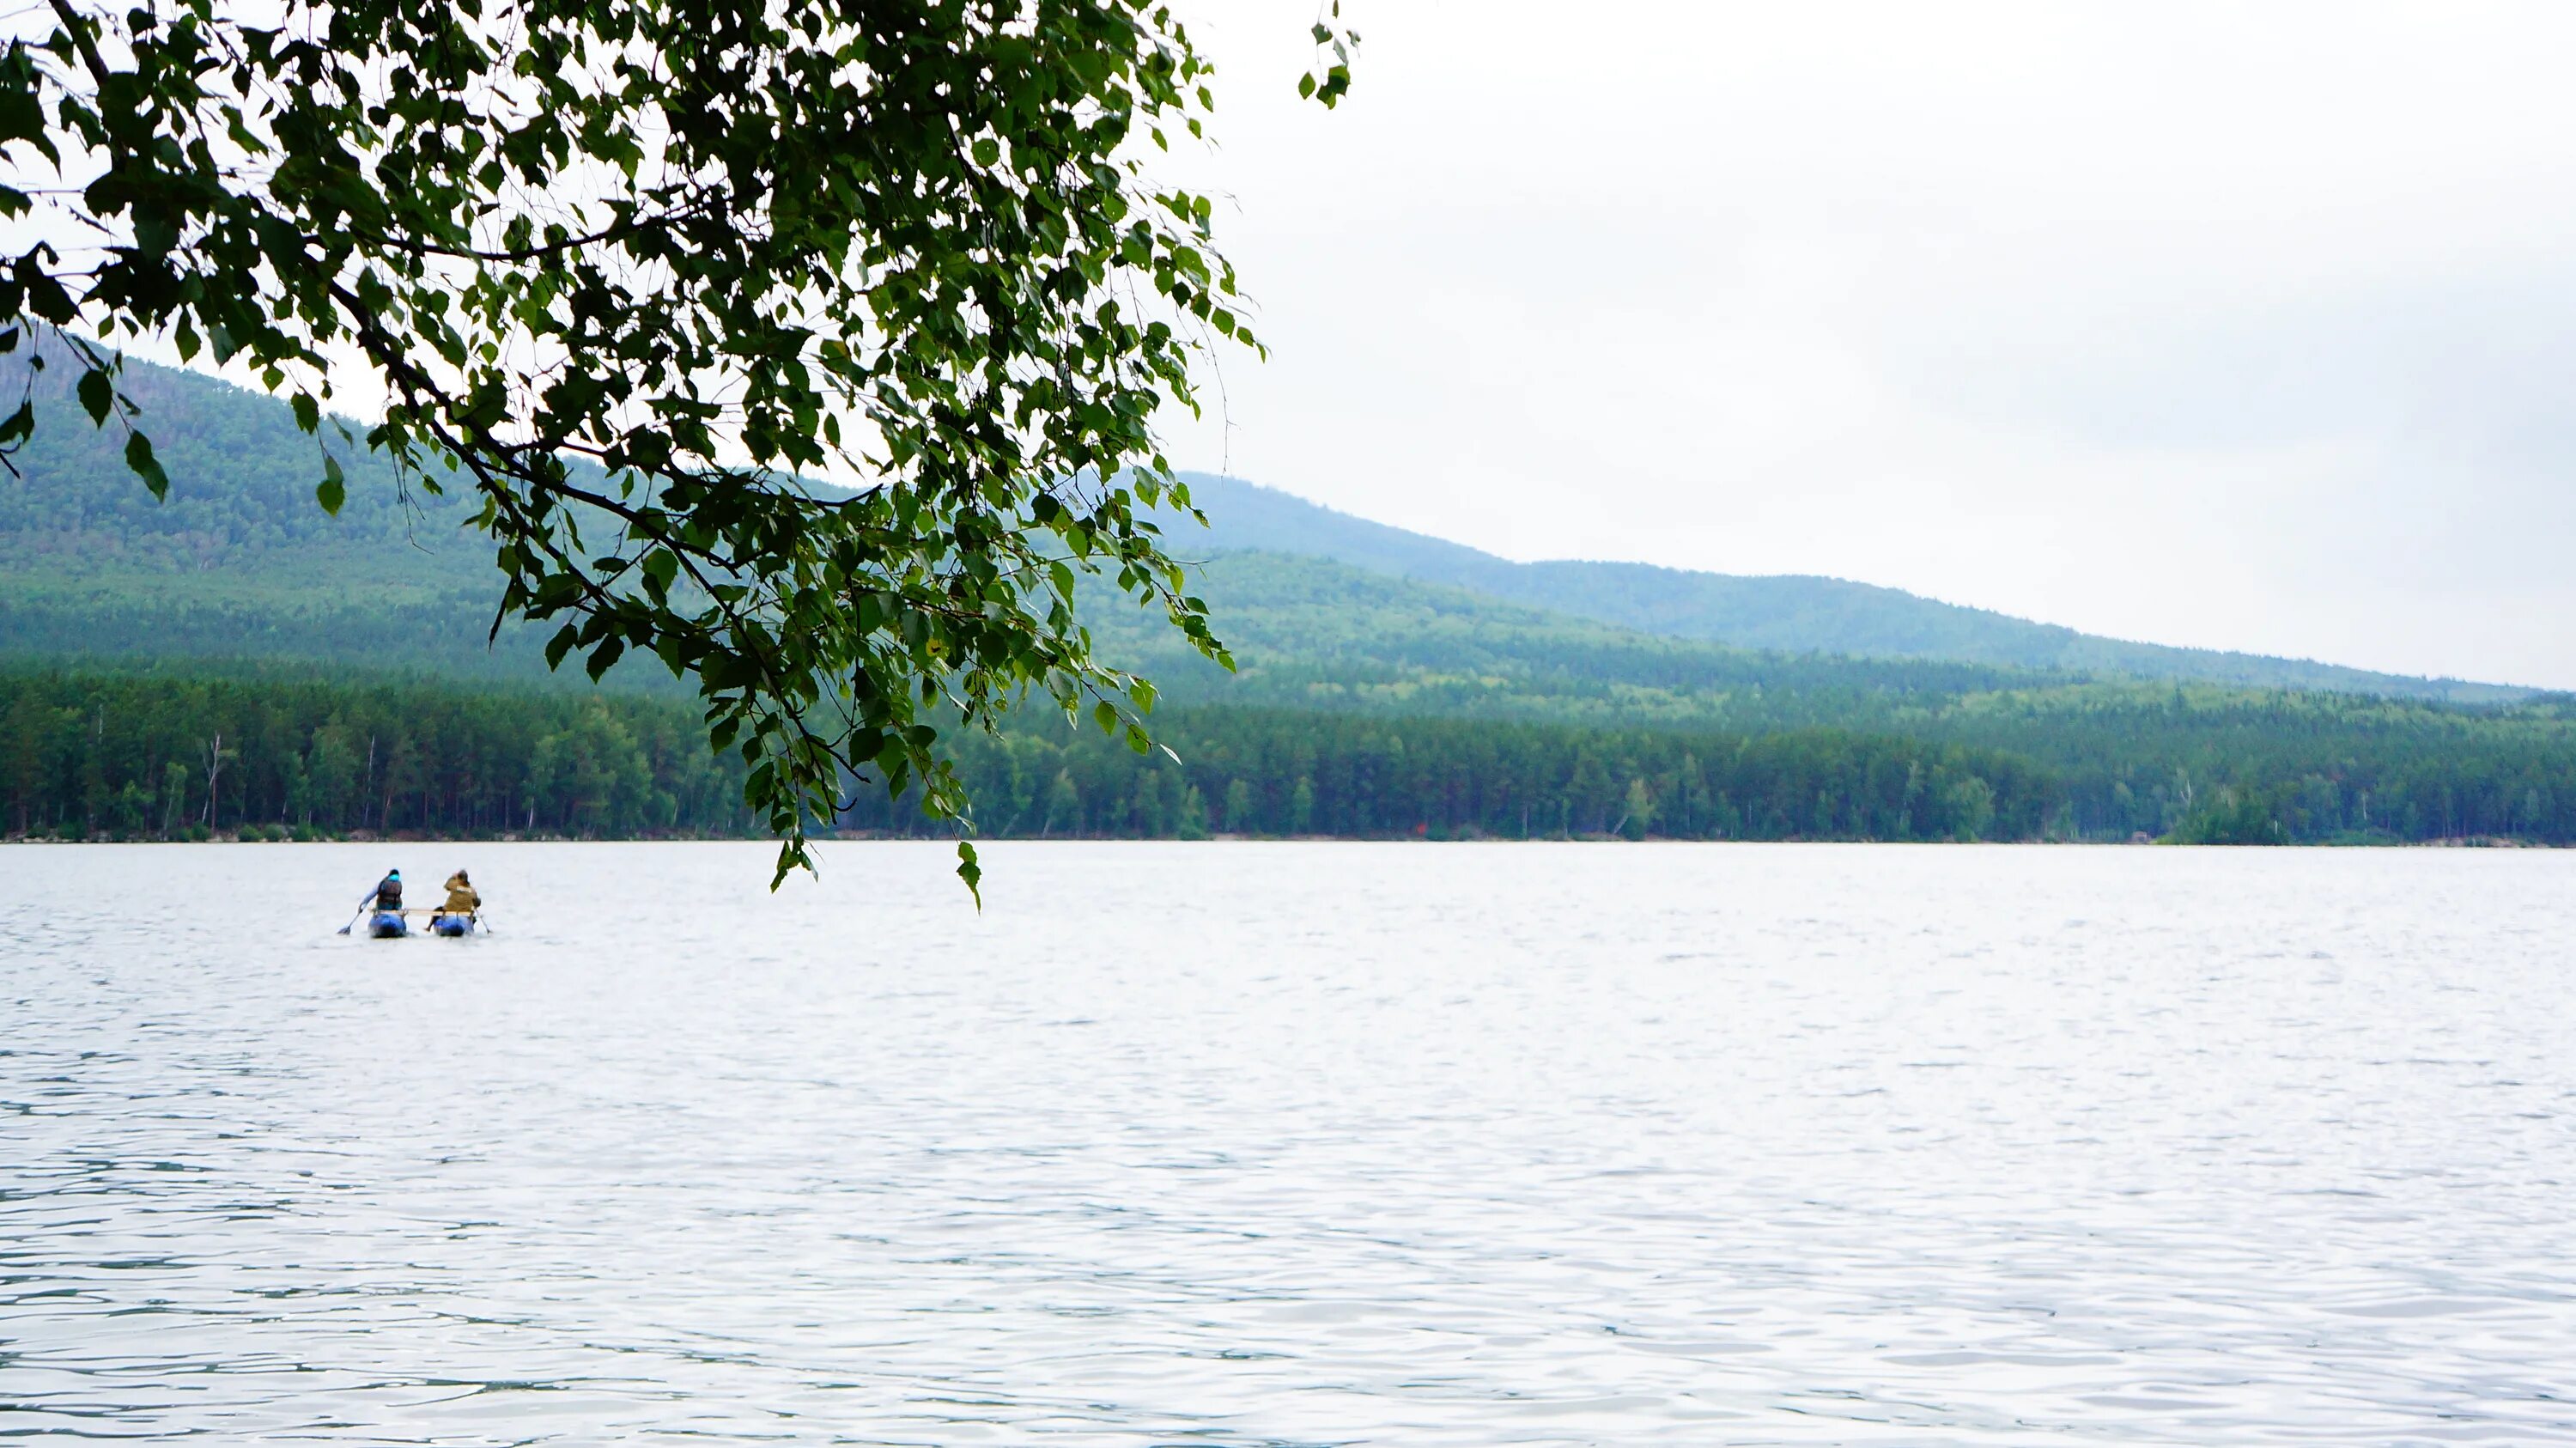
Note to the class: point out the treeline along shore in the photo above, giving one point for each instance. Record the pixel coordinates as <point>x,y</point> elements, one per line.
<point>91,754</point>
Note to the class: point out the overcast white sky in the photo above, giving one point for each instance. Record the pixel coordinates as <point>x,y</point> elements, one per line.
<point>2240,326</point>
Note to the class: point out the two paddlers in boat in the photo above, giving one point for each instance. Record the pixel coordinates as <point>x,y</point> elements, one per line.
<point>457,915</point>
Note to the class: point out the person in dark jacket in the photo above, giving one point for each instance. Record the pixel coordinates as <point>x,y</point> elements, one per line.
<point>388,892</point>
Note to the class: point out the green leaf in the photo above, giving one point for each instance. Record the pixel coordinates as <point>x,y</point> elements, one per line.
<point>139,459</point>
<point>97,394</point>
<point>660,567</point>
<point>333,490</point>
<point>970,871</point>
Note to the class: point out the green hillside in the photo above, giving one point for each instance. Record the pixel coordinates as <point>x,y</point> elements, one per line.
<point>239,562</point>
<point>1369,698</point>
<point>1313,633</point>
<point>241,478</point>
<point>1787,612</point>
<point>239,559</point>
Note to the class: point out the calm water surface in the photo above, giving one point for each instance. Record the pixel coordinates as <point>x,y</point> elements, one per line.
<point>1294,1144</point>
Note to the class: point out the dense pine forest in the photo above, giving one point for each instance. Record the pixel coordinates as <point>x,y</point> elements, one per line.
<point>90,754</point>
<point>179,756</point>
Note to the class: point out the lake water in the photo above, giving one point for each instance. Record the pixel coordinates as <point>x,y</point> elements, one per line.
<point>1294,1144</point>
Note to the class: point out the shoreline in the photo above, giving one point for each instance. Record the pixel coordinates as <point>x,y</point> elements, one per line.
<point>2471,842</point>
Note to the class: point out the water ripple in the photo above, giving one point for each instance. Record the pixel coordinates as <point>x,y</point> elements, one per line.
<point>1295,1145</point>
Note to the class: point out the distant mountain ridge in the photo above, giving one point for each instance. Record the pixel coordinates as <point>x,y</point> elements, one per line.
<point>240,560</point>
<point>1789,613</point>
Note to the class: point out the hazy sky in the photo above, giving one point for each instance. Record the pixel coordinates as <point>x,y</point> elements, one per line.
<point>2248,327</point>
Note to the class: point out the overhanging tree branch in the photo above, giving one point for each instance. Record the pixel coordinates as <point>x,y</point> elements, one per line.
<point>705,245</point>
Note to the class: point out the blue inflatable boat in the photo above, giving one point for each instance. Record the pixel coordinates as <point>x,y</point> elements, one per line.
<point>387,925</point>
<point>451,926</point>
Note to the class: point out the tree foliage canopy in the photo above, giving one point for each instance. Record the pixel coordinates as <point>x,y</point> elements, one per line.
<point>641,275</point>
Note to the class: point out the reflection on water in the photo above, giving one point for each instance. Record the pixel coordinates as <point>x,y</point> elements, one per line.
<point>1294,1144</point>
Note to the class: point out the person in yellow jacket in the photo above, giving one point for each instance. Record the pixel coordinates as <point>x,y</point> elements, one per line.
<point>461,898</point>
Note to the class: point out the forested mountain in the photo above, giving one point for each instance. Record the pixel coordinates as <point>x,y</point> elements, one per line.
<point>242,478</point>
<point>239,559</point>
<point>1790,613</point>
<point>241,562</point>
<point>235,658</point>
